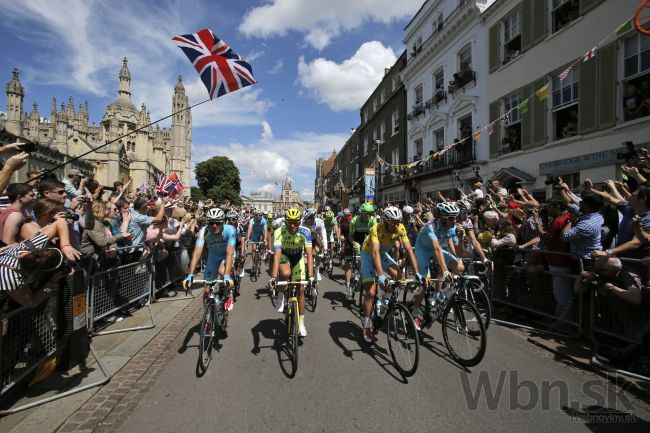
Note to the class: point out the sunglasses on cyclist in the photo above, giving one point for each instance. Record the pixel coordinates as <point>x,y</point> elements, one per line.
<point>215,223</point>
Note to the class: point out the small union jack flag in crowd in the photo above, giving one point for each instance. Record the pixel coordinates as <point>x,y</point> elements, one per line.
<point>565,73</point>
<point>164,185</point>
<point>590,54</point>
<point>490,128</point>
<point>221,69</point>
<point>506,119</point>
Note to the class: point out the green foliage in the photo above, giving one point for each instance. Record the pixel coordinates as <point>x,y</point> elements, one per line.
<point>218,178</point>
<point>197,194</point>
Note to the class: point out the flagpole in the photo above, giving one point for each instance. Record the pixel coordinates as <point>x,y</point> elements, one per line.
<point>119,138</point>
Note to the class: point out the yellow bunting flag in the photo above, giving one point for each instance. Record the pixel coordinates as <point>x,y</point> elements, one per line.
<point>477,136</point>
<point>543,92</point>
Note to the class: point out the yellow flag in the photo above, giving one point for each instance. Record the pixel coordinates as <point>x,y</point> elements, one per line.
<point>477,136</point>
<point>543,92</point>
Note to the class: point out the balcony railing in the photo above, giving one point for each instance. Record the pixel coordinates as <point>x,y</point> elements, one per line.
<point>456,157</point>
<point>417,110</point>
<point>460,84</point>
<point>438,97</point>
<point>417,49</point>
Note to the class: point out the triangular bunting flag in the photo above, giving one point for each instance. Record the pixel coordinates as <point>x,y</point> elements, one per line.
<point>477,136</point>
<point>625,27</point>
<point>543,92</point>
<point>565,73</point>
<point>523,106</point>
<point>590,54</point>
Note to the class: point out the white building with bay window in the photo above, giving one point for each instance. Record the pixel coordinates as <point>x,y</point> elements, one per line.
<point>576,132</point>
<point>445,80</point>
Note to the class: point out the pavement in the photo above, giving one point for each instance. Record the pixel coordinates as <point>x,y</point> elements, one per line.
<point>341,385</point>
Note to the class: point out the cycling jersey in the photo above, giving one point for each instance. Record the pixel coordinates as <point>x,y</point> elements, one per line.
<point>318,232</point>
<point>330,223</point>
<point>344,225</point>
<point>257,227</point>
<point>217,245</point>
<point>444,234</point>
<point>359,229</point>
<point>379,235</point>
<point>292,247</point>
<point>242,226</point>
<point>424,248</point>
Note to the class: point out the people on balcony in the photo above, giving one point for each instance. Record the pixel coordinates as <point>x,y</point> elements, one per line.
<point>462,77</point>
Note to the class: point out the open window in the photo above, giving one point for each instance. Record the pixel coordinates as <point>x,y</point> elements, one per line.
<point>464,151</point>
<point>565,104</point>
<point>511,36</point>
<point>439,86</point>
<point>563,12</point>
<point>511,133</point>
<point>465,74</point>
<point>636,81</point>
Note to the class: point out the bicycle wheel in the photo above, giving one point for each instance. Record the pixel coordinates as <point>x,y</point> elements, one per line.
<point>475,294</point>
<point>292,335</point>
<point>206,336</point>
<point>463,332</point>
<point>313,298</point>
<point>403,341</point>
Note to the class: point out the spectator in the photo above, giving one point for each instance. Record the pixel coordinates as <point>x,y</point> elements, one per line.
<point>12,164</point>
<point>45,211</point>
<point>12,218</point>
<point>632,103</point>
<point>98,237</point>
<point>609,276</point>
<point>29,264</point>
<point>74,185</point>
<point>52,189</point>
<point>139,223</point>
<point>583,236</point>
<point>505,146</point>
<point>570,129</point>
<point>478,190</point>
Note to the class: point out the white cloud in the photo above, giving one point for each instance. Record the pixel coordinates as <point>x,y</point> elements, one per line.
<point>277,67</point>
<point>253,55</point>
<point>270,188</point>
<point>83,42</point>
<point>346,85</point>
<point>307,194</point>
<point>267,132</point>
<point>322,20</point>
<point>264,164</point>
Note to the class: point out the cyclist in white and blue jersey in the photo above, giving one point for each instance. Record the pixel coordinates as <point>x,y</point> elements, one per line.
<point>258,232</point>
<point>220,239</point>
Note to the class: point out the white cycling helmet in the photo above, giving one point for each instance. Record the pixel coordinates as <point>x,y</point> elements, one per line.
<point>391,213</point>
<point>309,213</point>
<point>346,211</point>
<point>215,214</point>
<point>448,208</point>
<point>407,210</point>
<point>464,205</point>
<point>232,214</point>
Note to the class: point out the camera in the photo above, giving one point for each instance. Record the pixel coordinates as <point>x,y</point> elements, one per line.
<point>109,188</point>
<point>594,283</point>
<point>629,152</point>
<point>70,215</point>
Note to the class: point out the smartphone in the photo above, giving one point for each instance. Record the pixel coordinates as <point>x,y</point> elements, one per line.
<point>28,147</point>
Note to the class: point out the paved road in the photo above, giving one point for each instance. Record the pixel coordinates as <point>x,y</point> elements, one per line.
<point>340,387</point>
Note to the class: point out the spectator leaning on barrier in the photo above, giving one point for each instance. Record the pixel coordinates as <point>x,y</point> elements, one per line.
<point>139,223</point>
<point>12,218</point>
<point>30,263</point>
<point>98,237</point>
<point>609,276</point>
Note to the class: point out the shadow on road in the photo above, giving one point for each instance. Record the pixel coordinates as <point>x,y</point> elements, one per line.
<point>434,346</point>
<point>352,332</point>
<point>190,333</point>
<point>275,330</point>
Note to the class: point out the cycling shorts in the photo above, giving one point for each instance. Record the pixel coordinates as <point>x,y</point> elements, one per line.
<point>297,265</point>
<point>349,251</point>
<point>424,257</point>
<point>368,272</point>
<point>257,236</point>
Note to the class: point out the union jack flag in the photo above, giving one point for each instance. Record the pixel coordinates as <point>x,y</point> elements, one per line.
<point>164,185</point>
<point>490,128</point>
<point>565,73</point>
<point>590,54</point>
<point>220,68</point>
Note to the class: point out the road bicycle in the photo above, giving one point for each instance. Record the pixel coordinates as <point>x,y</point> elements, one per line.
<point>403,341</point>
<point>256,268</point>
<point>214,322</point>
<point>291,319</point>
<point>474,289</point>
<point>463,329</point>
<point>327,264</point>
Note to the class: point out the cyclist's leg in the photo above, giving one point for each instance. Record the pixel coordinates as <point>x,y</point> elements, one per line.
<point>454,264</point>
<point>299,272</point>
<point>211,272</point>
<point>317,250</point>
<point>423,258</point>
<point>368,274</point>
<point>349,256</point>
<point>390,266</point>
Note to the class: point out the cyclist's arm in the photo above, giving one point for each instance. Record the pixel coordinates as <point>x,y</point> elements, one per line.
<point>230,249</point>
<point>376,258</point>
<point>277,253</point>
<point>323,235</point>
<point>411,255</point>
<point>437,251</point>
<point>476,244</point>
<point>452,247</point>
<point>249,232</point>
<point>310,262</point>
<point>196,257</point>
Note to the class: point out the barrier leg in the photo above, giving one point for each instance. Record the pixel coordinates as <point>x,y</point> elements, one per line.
<point>134,328</point>
<point>107,377</point>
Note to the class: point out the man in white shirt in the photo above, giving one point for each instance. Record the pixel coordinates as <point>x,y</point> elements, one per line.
<point>478,190</point>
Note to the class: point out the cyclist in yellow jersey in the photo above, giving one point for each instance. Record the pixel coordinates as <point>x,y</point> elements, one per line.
<point>376,262</point>
<point>289,242</point>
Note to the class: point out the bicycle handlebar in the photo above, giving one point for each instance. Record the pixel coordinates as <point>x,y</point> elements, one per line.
<point>208,282</point>
<point>291,283</point>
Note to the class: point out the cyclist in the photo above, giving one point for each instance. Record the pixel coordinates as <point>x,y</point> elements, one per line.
<point>242,226</point>
<point>220,240</point>
<point>318,237</point>
<point>257,232</point>
<point>331,230</point>
<point>289,243</point>
<point>360,225</point>
<point>470,241</point>
<point>375,260</point>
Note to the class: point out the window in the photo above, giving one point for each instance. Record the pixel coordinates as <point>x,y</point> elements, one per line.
<point>465,55</point>
<point>365,145</point>
<point>395,157</point>
<point>382,131</point>
<point>419,148</point>
<point>395,121</point>
<point>512,37</point>
<point>636,55</point>
<point>439,85</point>
<point>564,12</point>
<point>511,140</point>
<point>364,115</point>
<point>396,82</point>
<point>419,94</point>
<point>439,138</point>
<point>382,96</point>
<point>565,104</point>
<point>374,105</point>
<point>375,136</point>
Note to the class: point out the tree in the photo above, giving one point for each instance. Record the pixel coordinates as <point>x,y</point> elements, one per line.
<point>218,178</point>
<point>197,194</point>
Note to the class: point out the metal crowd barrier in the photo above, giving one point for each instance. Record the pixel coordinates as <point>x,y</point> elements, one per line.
<point>169,272</point>
<point>117,288</point>
<point>621,326</point>
<point>532,288</point>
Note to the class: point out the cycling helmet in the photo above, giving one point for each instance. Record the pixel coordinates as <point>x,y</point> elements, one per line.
<point>327,209</point>
<point>407,210</point>
<point>232,215</point>
<point>464,205</point>
<point>391,213</point>
<point>259,212</point>
<point>340,214</point>
<point>215,214</point>
<point>448,208</point>
<point>309,213</point>
<point>346,211</point>
<point>329,214</point>
<point>367,208</point>
<point>292,214</point>
<point>270,215</point>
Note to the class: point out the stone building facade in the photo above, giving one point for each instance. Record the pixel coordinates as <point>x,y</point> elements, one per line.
<point>142,153</point>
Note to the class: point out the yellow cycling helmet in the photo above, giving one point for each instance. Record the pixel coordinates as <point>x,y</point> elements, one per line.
<point>292,214</point>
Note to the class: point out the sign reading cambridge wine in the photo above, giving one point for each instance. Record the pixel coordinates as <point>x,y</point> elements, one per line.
<point>581,162</point>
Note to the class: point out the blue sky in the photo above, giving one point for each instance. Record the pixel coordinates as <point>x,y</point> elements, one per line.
<point>316,61</point>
